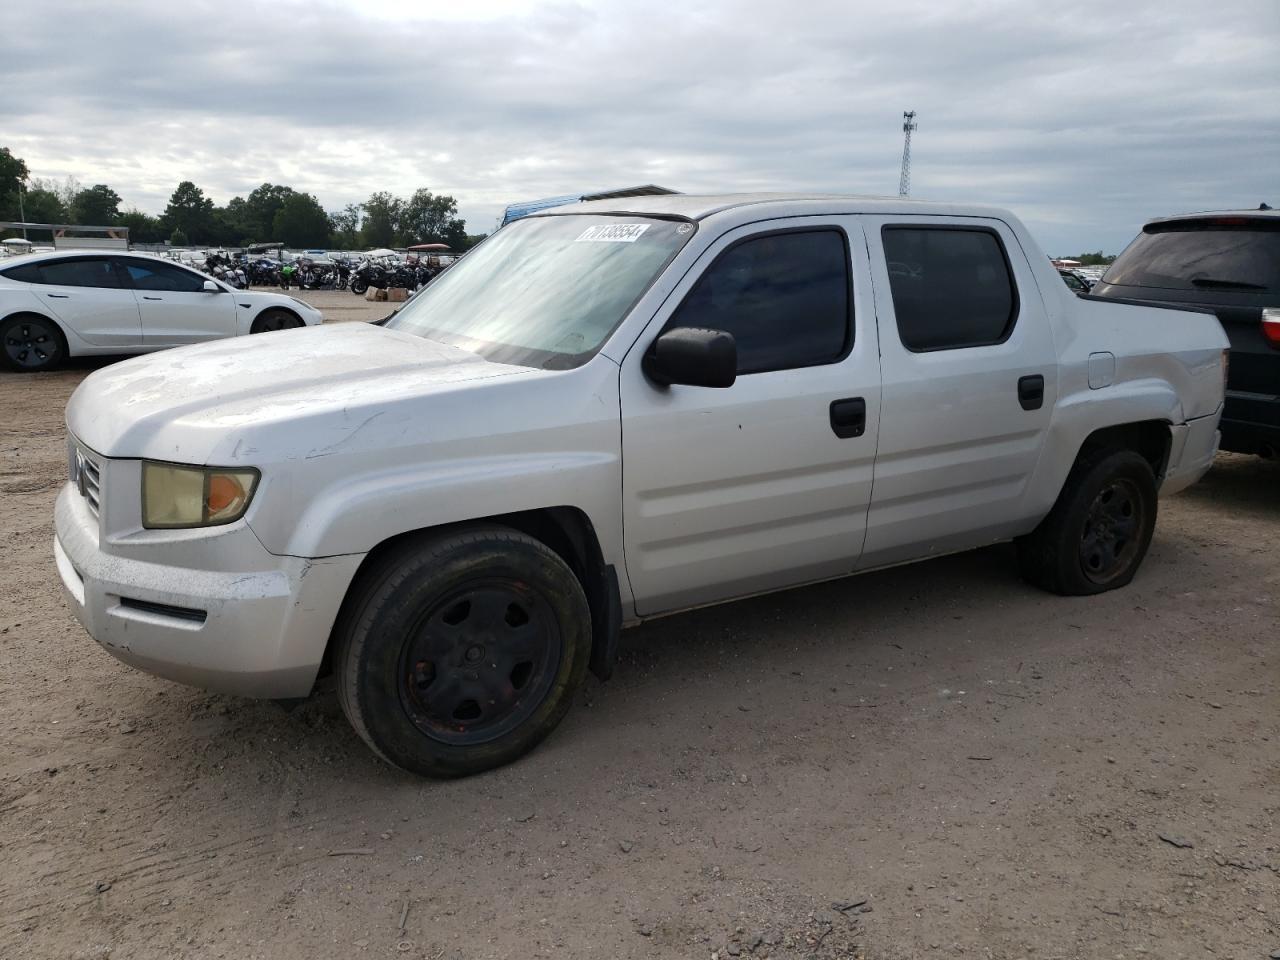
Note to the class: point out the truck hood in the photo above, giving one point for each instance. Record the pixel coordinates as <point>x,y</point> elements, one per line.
<point>191,404</point>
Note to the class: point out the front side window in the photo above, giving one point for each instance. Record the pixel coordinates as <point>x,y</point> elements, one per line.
<point>82,272</point>
<point>951,287</point>
<point>783,296</point>
<point>545,291</point>
<point>146,275</point>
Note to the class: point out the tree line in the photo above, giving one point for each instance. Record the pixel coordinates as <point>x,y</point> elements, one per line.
<point>271,213</point>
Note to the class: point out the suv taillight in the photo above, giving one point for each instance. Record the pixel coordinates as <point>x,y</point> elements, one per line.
<point>1271,325</point>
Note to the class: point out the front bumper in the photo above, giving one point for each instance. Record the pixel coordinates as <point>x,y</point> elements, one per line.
<point>258,632</point>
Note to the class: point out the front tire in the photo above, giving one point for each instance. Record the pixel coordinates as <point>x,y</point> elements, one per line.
<point>269,320</point>
<point>459,653</point>
<point>31,343</point>
<point>1097,534</point>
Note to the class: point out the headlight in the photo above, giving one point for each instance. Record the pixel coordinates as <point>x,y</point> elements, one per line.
<point>174,496</point>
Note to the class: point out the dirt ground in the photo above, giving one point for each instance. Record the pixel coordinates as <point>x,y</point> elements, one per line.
<point>934,760</point>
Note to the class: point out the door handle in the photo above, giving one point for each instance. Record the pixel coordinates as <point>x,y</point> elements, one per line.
<point>145,297</point>
<point>849,417</point>
<point>58,296</point>
<point>1031,392</point>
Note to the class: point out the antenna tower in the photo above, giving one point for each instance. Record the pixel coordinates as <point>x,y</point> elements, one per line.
<point>908,124</point>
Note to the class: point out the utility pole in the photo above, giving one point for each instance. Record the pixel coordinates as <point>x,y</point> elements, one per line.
<point>908,124</point>
<point>21,213</point>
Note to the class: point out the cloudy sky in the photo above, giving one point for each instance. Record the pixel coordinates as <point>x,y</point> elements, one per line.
<point>1084,118</point>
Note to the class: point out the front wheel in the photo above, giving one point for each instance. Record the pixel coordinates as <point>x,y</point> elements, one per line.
<point>359,286</point>
<point>31,343</point>
<point>459,653</point>
<point>1096,535</point>
<point>269,320</point>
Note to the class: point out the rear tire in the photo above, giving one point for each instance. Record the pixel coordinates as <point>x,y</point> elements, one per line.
<point>30,343</point>
<point>460,652</point>
<point>269,320</point>
<point>1095,537</point>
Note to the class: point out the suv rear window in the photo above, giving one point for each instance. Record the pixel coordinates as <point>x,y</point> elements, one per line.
<point>1202,258</point>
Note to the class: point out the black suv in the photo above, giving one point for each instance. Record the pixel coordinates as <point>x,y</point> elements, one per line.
<point>1229,262</point>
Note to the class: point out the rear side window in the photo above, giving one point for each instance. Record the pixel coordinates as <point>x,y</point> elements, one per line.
<point>160,276</point>
<point>83,272</point>
<point>27,273</point>
<point>783,296</point>
<point>951,287</point>
<point>1229,258</point>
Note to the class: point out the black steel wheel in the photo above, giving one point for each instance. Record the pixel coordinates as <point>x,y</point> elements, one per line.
<point>479,662</point>
<point>1098,532</point>
<point>31,343</point>
<point>460,652</point>
<point>1112,531</point>
<point>275,319</point>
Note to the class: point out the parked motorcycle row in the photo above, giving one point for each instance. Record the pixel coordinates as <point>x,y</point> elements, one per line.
<point>339,273</point>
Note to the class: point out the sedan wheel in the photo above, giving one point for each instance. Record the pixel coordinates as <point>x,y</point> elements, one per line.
<point>270,320</point>
<point>31,343</point>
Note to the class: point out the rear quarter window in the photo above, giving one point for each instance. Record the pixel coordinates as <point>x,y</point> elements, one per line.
<point>27,273</point>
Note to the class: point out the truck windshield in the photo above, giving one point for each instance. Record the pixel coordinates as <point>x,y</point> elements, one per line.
<point>545,291</point>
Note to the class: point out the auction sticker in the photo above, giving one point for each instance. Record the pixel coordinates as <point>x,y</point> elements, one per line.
<point>613,233</point>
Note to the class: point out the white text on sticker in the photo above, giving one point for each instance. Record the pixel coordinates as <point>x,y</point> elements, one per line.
<point>613,233</point>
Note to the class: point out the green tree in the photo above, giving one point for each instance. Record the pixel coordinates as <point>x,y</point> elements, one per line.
<point>427,218</point>
<point>178,238</point>
<point>381,220</point>
<point>301,222</point>
<point>143,228</point>
<point>190,212</point>
<point>344,227</point>
<point>44,206</point>
<point>13,175</point>
<point>258,215</point>
<point>99,205</point>
<point>473,239</point>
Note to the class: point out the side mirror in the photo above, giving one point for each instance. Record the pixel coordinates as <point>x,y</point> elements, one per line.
<point>693,356</point>
<point>211,287</point>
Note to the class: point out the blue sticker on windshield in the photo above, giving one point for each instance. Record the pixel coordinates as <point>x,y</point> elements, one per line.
<point>613,233</point>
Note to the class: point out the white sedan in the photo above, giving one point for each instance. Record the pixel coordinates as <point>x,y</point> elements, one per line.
<point>56,305</point>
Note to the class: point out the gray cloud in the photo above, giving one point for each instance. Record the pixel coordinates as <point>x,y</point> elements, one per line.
<point>1085,122</point>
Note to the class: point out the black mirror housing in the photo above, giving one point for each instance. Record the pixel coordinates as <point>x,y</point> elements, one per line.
<point>693,356</point>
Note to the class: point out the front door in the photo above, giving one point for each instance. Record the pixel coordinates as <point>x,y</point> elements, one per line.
<point>764,484</point>
<point>88,295</point>
<point>970,383</point>
<point>174,306</point>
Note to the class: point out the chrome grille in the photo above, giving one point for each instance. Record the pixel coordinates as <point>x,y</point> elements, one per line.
<point>87,476</point>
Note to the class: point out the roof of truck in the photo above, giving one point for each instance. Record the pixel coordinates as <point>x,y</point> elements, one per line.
<point>694,207</point>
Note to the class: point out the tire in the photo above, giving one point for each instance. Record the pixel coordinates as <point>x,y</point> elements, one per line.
<point>1096,535</point>
<point>31,343</point>
<point>359,286</point>
<point>278,319</point>
<point>459,653</point>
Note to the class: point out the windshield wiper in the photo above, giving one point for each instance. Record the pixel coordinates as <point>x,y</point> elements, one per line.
<point>1226,284</point>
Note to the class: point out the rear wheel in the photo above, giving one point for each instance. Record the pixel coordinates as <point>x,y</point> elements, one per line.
<point>1096,535</point>
<point>269,320</point>
<point>460,653</point>
<point>31,343</point>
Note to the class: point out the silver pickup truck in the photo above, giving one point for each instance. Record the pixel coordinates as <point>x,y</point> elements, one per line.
<point>607,413</point>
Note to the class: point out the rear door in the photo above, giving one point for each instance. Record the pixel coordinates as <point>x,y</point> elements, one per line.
<point>970,381</point>
<point>764,484</point>
<point>174,306</point>
<point>90,297</point>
